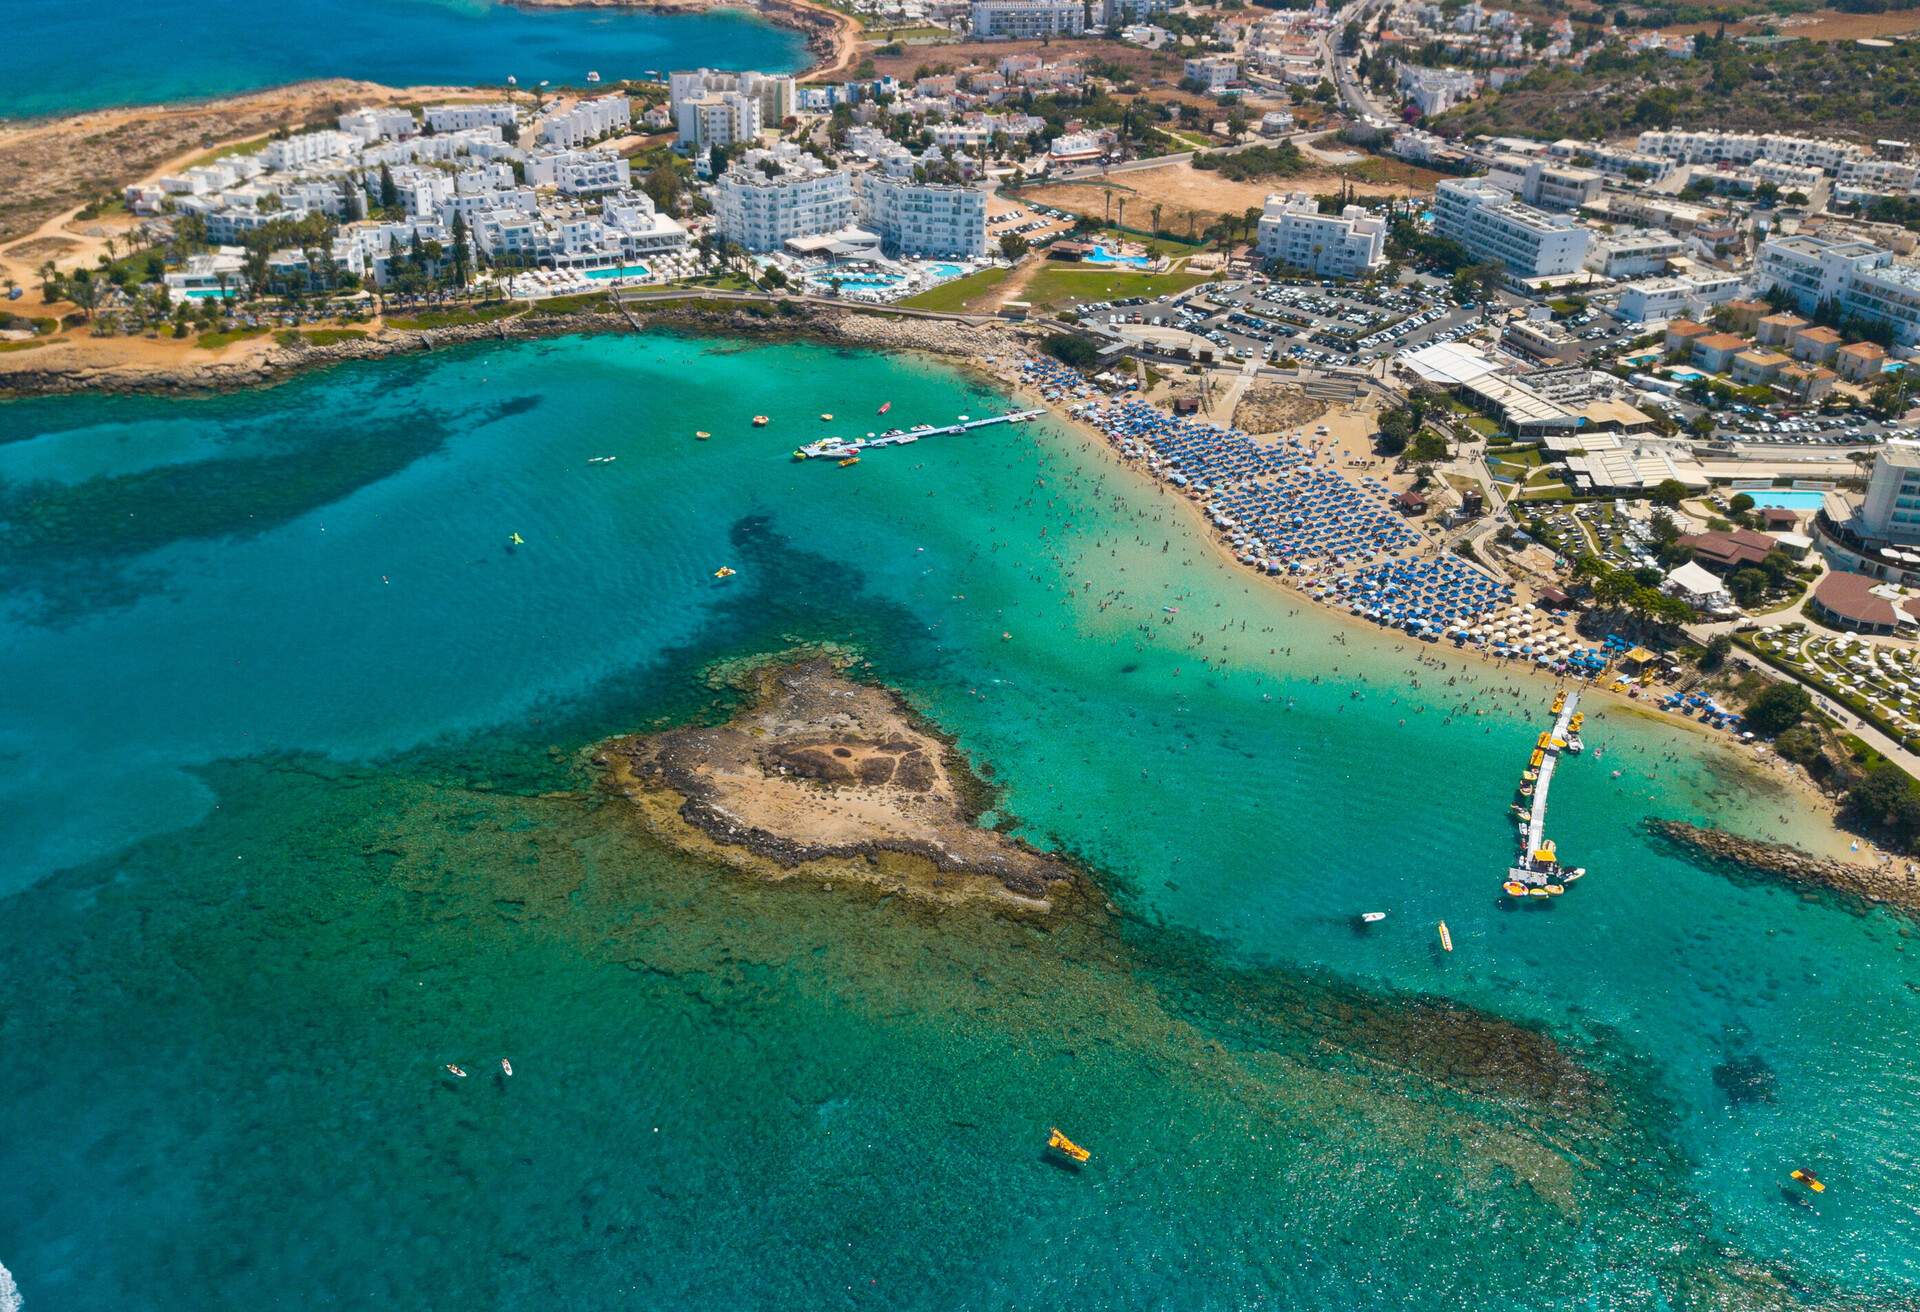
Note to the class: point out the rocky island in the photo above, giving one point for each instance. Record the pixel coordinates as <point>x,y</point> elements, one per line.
<point>818,774</point>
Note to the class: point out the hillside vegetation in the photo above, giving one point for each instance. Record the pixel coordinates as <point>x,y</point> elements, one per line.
<point>1834,89</point>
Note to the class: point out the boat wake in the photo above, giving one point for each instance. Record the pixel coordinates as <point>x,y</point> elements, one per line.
<point>10,1300</point>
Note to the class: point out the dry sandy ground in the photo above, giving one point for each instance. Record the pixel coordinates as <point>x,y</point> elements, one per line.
<point>1182,191</point>
<point>987,54</point>
<point>1822,25</point>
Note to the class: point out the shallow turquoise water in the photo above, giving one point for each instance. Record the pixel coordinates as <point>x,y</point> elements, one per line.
<point>62,58</point>
<point>296,811</point>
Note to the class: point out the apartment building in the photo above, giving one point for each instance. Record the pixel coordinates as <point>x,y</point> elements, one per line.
<point>1026,20</point>
<point>305,149</point>
<point>458,118</point>
<point>1493,226</point>
<point>587,122</point>
<point>1746,147</point>
<point>375,124</point>
<point>720,118</point>
<point>1634,253</point>
<point>579,172</point>
<point>1213,72</point>
<point>772,95</point>
<point>1120,13</point>
<point>769,197</point>
<point>1436,90</point>
<point>1545,182</point>
<point>1344,245</point>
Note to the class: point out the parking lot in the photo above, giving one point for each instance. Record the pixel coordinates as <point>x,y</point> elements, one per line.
<point>1307,322</point>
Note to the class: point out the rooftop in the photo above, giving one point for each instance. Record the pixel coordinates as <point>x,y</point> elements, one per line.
<point>1852,597</point>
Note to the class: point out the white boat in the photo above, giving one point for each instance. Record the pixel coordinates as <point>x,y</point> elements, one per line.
<point>593,77</point>
<point>506,1067</point>
<point>1372,917</point>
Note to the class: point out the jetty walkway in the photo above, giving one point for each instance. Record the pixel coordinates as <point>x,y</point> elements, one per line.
<point>840,448</point>
<point>1537,820</point>
<point>1538,872</point>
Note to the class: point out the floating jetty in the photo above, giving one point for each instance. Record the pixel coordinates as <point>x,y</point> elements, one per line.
<point>835,448</point>
<point>1538,872</point>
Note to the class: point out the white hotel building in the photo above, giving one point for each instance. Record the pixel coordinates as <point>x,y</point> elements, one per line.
<point>587,122</point>
<point>458,118</point>
<point>1343,245</point>
<point>1858,277</point>
<point>920,219</point>
<point>802,198</point>
<point>1026,20</point>
<point>1494,227</point>
<point>306,149</point>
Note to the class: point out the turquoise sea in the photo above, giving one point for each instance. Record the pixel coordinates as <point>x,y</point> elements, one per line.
<point>297,807</point>
<point>63,58</point>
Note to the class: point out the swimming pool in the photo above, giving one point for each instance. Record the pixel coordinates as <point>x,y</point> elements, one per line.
<point>623,271</point>
<point>871,281</point>
<point>210,294</point>
<point>1768,498</point>
<point>1101,255</point>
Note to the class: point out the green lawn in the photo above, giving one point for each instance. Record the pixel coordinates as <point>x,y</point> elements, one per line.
<point>253,147</point>
<point>319,336</point>
<point>960,293</point>
<point>20,346</point>
<point>1061,288</point>
<point>456,316</point>
<point>219,341</point>
<point>1547,492</point>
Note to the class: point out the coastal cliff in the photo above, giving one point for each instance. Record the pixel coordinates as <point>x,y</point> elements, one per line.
<point>1883,885</point>
<point>823,775</point>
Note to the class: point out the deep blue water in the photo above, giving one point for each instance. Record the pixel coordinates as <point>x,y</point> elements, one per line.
<point>60,57</point>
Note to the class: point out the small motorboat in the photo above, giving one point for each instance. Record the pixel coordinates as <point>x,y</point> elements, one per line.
<point>850,460</point>
<point>515,540</point>
<point>702,434</point>
<point>885,406</point>
<point>826,419</point>
<point>1372,917</point>
<point>1446,937</point>
<point>506,1067</point>
<point>592,76</point>
<point>761,421</point>
<point>725,572</point>
<point>456,1071</point>
<point>1806,1178</point>
<point>1060,1143</point>
<point>601,460</point>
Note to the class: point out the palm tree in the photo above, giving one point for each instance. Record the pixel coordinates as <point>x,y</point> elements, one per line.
<point>1156,217</point>
<point>1122,222</point>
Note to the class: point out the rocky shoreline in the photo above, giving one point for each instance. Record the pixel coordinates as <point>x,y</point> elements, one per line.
<point>822,775</point>
<point>31,374</point>
<point>1877,885</point>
